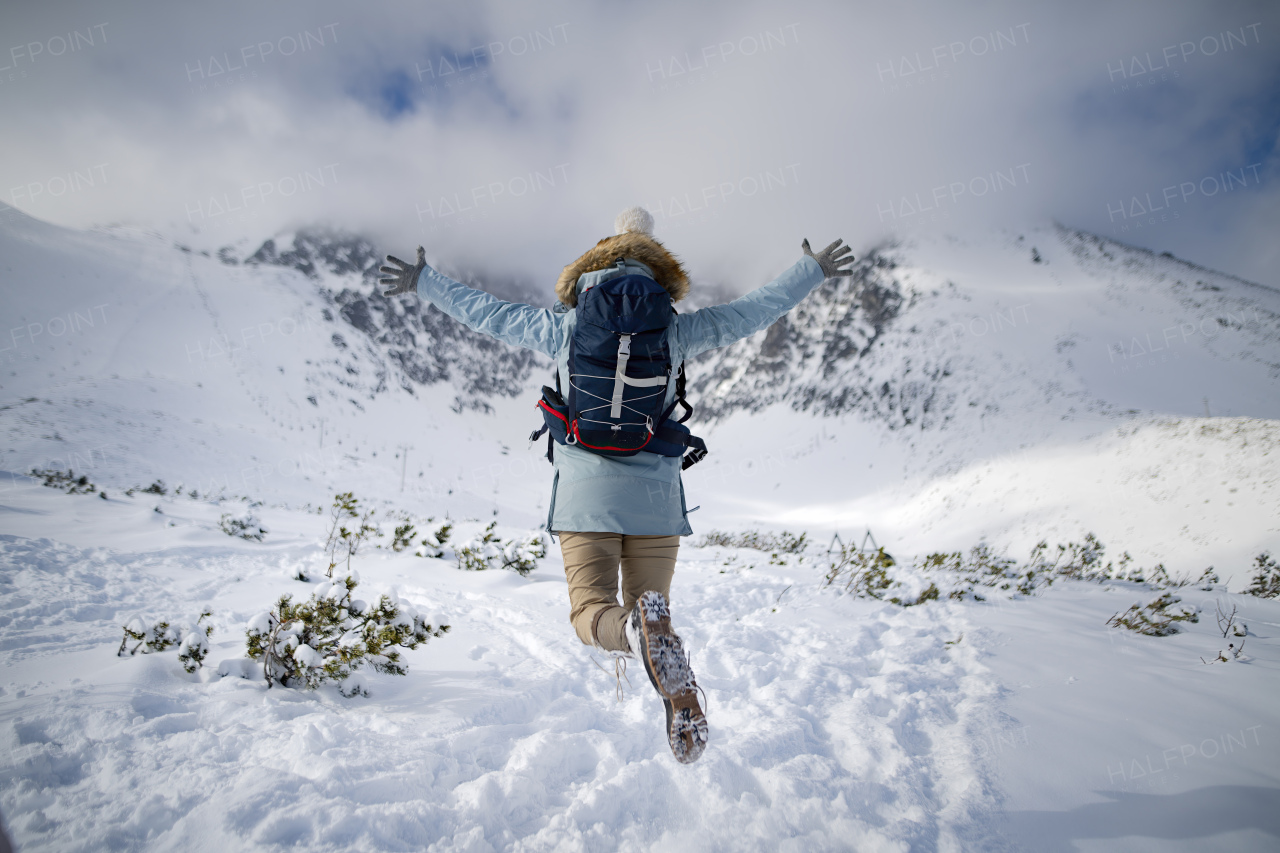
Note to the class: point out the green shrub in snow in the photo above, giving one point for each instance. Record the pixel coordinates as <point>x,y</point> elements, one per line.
<point>67,481</point>
<point>1155,619</point>
<point>192,641</point>
<point>403,537</point>
<point>957,575</point>
<point>982,567</point>
<point>864,572</point>
<point>433,543</point>
<point>487,551</point>
<point>1078,560</point>
<point>1266,577</point>
<point>1161,579</point>
<point>248,527</point>
<point>343,542</point>
<point>775,544</point>
<point>156,638</point>
<point>930,593</point>
<point>331,635</point>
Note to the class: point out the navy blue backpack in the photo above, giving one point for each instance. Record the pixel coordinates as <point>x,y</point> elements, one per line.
<point>619,368</point>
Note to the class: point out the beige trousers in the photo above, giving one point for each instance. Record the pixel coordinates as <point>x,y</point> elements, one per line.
<point>591,563</point>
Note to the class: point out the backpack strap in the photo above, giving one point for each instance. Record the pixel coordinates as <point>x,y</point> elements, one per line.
<point>688,413</point>
<point>697,447</point>
<point>620,376</point>
<point>621,380</point>
<point>679,398</point>
<point>537,433</point>
<point>551,445</point>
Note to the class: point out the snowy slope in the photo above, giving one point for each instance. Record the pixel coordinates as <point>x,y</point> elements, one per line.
<point>138,360</point>
<point>837,724</point>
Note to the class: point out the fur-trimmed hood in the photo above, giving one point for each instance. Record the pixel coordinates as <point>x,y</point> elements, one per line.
<point>633,244</point>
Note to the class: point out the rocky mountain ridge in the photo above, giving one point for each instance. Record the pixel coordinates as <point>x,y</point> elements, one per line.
<point>914,339</point>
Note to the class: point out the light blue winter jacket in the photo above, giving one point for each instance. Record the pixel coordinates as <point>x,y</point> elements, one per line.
<point>641,494</point>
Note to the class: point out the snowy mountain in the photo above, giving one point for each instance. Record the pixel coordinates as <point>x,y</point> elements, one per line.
<point>278,370</point>
<point>901,342</point>
<point>924,334</point>
<point>1010,387</point>
<point>427,346</point>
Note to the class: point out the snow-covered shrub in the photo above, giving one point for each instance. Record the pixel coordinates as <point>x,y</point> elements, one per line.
<point>982,567</point>
<point>487,550</point>
<point>192,640</point>
<point>248,527</point>
<point>1230,626</point>
<point>156,638</point>
<point>929,593</point>
<point>1155,619</point>
<point>67,481</point>
<point>958,575</point>
<point>194,647</point>
<point>480,551</point>
<point>1161,579</point>
<point>1266,577</point>
<point>403,537</point>
<point>864,572</point>
<point>775,543</point>
<point>331,635</point>
<point>343,543</point>
<point>433,543</point>
<point>1083,561</point>
<point>1236,654</point>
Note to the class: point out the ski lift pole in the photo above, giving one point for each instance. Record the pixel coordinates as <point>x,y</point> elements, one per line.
<point>835,537</point>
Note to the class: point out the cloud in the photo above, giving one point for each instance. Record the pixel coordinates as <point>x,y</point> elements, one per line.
<point>506,136</point>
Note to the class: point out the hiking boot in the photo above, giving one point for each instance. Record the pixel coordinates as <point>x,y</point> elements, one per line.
<point>652,640</point>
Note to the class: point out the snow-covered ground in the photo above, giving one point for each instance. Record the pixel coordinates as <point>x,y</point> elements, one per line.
<point>836,723</point>
<point>1185,492</point>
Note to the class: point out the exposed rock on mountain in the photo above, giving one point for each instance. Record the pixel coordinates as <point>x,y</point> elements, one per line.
<point>427,346</point>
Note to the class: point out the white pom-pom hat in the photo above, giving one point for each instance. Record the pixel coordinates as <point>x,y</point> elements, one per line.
<point>632,238</point>
<point>634,219</point>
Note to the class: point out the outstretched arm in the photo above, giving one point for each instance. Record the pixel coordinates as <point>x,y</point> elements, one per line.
<point>510,322</point>
<point>720,325</point>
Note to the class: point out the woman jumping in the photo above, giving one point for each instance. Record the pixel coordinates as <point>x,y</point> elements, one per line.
<point>617,499</point>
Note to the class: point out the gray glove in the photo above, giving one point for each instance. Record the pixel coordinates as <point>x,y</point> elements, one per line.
<point>400,276</point>
<point>831,259</point>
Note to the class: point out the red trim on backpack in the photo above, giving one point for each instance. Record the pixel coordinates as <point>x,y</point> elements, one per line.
<point>574,429</point>
<point>542,404</point>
